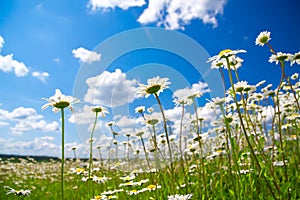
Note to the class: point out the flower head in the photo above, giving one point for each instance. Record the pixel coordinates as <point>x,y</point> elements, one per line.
<point>140,109</point>
<point>101,110</point>
<point>220,59</point>
<point>155,86</point>
<point>180,197</point>
<point>279,57</point>
<point>17,192</point>
<point>60,101</point>
<point>263,38</point>
<point>295,58</point>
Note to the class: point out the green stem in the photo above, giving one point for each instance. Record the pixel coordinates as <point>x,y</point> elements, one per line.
<point>166,132</point>
<point>245,132</point>
<point>62,151</point>
<point>91,149</point>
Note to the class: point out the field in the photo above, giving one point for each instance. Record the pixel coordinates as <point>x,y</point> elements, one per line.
<point>250,151</point>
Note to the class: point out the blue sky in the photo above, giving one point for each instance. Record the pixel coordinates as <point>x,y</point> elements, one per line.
<point>44,45</point>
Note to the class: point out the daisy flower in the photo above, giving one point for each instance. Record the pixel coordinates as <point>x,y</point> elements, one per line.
<point>278,57</point>
<point>263,38</point>
<point>100,110</point>
<point>219,60</point>
<point>139,109</point>
<point>180,197</point>
<point>60,101</point>
<point>17,192</point>
<point>295,58</point>
<point>225,53</point>
<point>155,86</point>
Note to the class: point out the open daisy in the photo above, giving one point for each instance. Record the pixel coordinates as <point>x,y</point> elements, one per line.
<point>100,110</point>
<point>263,38</point>
<point>60,101</point>
<point>155,86</point>
<point>226,53</point>
<point>279,57</point>
<point>295,58</point>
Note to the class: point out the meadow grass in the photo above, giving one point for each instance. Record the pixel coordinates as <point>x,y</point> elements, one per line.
<point>250,150</point>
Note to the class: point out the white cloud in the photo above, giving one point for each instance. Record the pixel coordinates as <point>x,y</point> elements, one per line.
<point>25,119</point>
<point>197,88</point>
<point>8,64</point>
<point>112,4</point>
<point>153,13</point>
<point>1,42</point>
<point>85,55</point>
<point>83,116</point>
<point>41,76</point>
<point>110,89</point>
<point>176,14</point>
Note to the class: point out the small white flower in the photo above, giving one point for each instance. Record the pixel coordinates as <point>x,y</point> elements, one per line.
<point>295,58</point>
<point>60,101</point>
<point>140,109</point>
<point>263,38</point>
<point>101,110</point>
<point>155,86</point>
<point>278,57</point>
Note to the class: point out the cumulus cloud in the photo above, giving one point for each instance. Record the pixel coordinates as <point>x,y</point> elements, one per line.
<point>85,55</point>
<point>41,76</point>
<point>1,42</point>
<point>110,89</point>
<point>84,115</point>
<point>25,119</point>
<point>8,64</point>
<point>112,4</point>
<point>197,88</point>
<point>176,14</point>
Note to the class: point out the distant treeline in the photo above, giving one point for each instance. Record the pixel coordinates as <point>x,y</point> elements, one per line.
<point>37,158</point>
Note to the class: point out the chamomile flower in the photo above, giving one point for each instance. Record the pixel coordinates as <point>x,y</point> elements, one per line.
<point>263,38</point>
<point>17,192</point>
<point>60,101</point>
<point>180,197</point>
<point>140,109</point>
<point>295,58</point>
<point>100,110</point>
<point>279,57</point>
<point>155,86</point>
<point>220,59</point>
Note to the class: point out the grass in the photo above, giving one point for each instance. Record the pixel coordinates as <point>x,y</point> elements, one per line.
<point>250,150</point>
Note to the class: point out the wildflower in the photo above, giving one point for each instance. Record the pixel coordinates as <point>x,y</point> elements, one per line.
<point>279,163</point>
<point>279,57</point>
<point>263,38</point>
<point>133,192</point>
<point>150,110</point>
<point>127,178</point>
<point>153,187</point>
<point>155,86</point>
<point>152,121</point>
<point>140,109</point>
<point>139,134</point>
<point>295,76</point>
<point>295,58</point>
<point>225,54</point>
<point>17,192</point>
<point>78,171</point>
<point>101,110</point>
<point>180,197</point>
<point>60,101</point>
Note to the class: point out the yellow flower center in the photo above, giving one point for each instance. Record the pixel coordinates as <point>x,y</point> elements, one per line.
<point>224,52</point>
<point>151,187</point>
<point>264,39</point>
<point>61,104</point>
<point>153,89</point>
<point>98,109</point>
